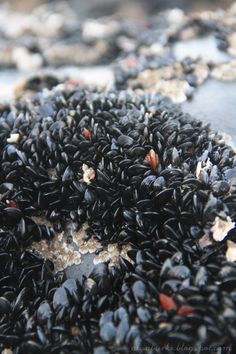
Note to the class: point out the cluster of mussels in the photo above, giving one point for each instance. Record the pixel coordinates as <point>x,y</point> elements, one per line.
<point>161,183</point>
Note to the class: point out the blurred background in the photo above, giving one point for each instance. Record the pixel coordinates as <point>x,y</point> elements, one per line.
<point>106,42</point>
<point>131,8</point>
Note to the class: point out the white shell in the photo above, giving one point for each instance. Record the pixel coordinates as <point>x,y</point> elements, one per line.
<point>14,138</point>
<point>221,228</point>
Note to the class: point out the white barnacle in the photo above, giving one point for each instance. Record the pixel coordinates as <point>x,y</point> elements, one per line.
<point>102,257</point>
<point>14,138</point>
<point>88,173</point>
<point>231,251</point>
<point>221,228</point>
